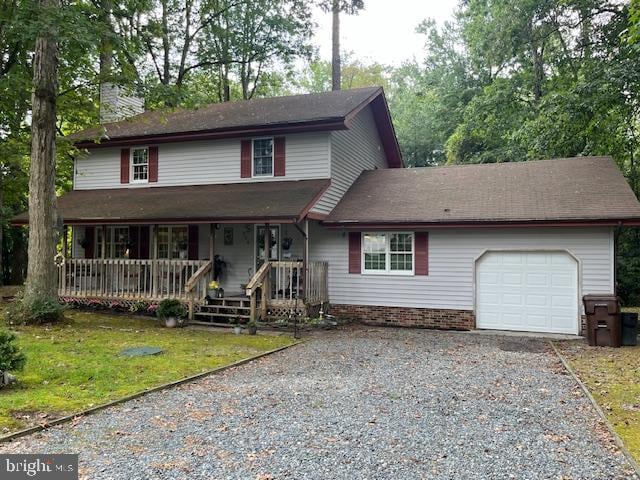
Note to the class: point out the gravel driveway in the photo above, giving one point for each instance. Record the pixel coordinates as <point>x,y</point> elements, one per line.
<point>357,404</point>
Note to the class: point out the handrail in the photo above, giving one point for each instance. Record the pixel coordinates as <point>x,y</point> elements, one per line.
<point>193,280</point>
<point>258,278</point>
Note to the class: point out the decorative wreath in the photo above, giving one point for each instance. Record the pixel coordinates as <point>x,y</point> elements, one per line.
<point>59,260</point>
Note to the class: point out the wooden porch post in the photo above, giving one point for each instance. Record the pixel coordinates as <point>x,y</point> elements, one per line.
<point>65,241</point>
<point>305,258</point>
<point>266,286</point>
<point>267,242</point>
<point>154,263</point>
<point>212,248</point>
<point>103,250</point>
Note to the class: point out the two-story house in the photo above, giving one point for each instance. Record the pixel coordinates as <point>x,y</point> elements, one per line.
<point>166,201</point>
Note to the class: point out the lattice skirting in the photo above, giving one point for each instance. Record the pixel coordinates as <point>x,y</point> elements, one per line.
<point>286,311</point>
<point>115,304</point>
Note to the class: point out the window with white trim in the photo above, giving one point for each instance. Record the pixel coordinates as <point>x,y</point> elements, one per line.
<point>262,157</point>
<point>388,252</point>
<point>140,164</point>
<point>173,242</point>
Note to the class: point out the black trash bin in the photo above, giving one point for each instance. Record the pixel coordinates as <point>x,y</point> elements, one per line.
<point>629,323</point>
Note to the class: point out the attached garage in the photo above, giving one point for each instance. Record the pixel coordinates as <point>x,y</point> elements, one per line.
<point>531,291</point>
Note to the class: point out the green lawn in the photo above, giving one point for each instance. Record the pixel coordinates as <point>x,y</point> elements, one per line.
<point>77,364</point>
<point>612,375</point>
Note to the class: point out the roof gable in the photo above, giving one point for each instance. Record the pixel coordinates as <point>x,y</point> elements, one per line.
<point>276,115</point>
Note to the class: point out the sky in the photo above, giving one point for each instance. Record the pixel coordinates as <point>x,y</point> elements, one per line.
<point>384,31</point>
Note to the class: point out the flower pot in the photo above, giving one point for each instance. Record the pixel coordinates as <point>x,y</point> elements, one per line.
<point>252,329</point>
<point>171,322</point>
<point>237,329</point>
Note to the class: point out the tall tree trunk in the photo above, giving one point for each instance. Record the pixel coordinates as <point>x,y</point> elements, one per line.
<point>1,228</point>
<point>106,44</point>
<point>335,51</point>
<point>41,270</point>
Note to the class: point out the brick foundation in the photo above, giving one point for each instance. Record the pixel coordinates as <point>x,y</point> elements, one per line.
<point>407,317</point>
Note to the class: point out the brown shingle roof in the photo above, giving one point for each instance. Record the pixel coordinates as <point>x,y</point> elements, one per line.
<point>263,112</point>
<point>586,188</point>
<point>284,201</point>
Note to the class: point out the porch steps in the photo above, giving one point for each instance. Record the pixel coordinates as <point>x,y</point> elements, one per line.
<point>223,309</point>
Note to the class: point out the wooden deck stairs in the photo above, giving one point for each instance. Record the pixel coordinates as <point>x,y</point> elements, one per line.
<point>223,311</point>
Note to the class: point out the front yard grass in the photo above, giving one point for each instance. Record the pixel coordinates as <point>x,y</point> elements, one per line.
<point>77,364</point>
<point>612,375</point>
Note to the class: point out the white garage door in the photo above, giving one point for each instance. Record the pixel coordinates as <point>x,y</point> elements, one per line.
<point>527,291</point>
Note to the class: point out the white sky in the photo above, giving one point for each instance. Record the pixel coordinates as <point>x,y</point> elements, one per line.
<point>384,31</point>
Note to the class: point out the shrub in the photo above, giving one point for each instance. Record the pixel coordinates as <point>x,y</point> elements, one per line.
<point>34,312</point>
<point>171,308</point>
<point>11,358</point>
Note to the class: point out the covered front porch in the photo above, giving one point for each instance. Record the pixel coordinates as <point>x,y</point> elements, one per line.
<point>147,263</point>
<point>144,244</point>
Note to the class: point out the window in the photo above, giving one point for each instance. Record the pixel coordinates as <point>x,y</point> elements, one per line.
<point>173,242</point>
<point>117,242</point>
<point>140,164</point>
<point>388,252</point>
<point>263,157</point>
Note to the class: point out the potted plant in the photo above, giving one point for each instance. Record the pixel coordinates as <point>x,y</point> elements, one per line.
<point>214,290</point>
<point>172,312</point>
<point>237,328</point>
<point>252,327</point>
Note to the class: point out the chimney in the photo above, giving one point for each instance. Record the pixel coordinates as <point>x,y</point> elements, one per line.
<point>118,103</point>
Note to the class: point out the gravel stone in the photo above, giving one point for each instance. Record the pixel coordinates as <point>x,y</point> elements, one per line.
<point>361,403</point>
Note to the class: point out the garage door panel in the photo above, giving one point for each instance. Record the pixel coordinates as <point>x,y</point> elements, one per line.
<point>538,300</point>
<point>532,291</point>
<point>513,259</point>
<point>537,280</point>
<point>537,321</point>
<point>561,280</point>
<point>512,278</point>
<point>512,300</point>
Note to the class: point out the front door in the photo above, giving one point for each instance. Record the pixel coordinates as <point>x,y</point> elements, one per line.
<point>274,251</point>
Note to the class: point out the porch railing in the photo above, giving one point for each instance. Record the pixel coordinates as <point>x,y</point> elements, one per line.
<point>281,283</point>
<point>131,279</point>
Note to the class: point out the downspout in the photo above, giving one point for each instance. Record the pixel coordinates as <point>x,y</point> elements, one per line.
<point>616,234</point>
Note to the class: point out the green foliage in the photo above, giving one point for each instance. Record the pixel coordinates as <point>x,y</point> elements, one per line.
<point>11,357</point>
<point>35,311</point>
<point>171,308</point>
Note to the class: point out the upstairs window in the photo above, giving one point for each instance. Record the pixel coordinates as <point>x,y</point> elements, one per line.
<point>263,157</point>
<point>140,165</point>
<point>389,252</point>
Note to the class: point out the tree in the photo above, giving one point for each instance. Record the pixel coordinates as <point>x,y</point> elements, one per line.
<point>316,77</point>
<point>251,40</point>
<point>41,272</point>
<point>350,7</point>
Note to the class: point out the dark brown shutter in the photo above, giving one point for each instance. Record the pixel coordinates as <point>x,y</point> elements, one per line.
<point>193,242</point>
<point>278,157</point>
<point>355,250</point>
<point>421,242</point>
<point>90,241</point>
<point>144,242</point>
<point>124,165</point>
<point>134,242</point>
<point>153,164</point>
<point>245,159</point>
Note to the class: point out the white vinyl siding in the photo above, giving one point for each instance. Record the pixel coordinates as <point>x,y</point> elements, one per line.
<point>205,162</point>
<point>352,151</point>
<point>240,256</point>
<point>452,252</point>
